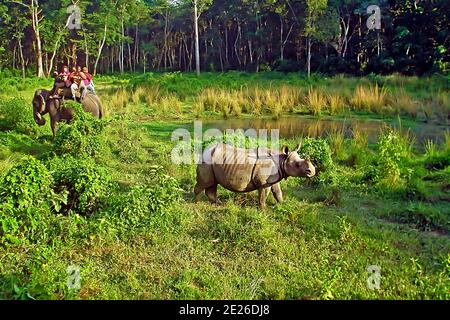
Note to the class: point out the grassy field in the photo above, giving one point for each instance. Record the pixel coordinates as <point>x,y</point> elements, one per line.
<point>105,196</point>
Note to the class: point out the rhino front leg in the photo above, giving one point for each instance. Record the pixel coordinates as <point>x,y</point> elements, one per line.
<point>263,192</point>
<point>277,193</point>
<point>211,192</point>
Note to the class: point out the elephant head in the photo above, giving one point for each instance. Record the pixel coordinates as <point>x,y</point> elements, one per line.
<point>39,106</point>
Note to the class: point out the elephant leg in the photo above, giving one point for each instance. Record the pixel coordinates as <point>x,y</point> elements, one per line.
<point>54,125</point>
<point>55,114</point>
<point>263,192</point>
<point>211,192</point>
<point>277,193</point>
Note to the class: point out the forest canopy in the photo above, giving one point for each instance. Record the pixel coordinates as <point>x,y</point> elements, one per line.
<point>324,36</point>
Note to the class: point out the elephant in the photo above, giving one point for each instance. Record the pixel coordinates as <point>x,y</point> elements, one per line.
<point>43,105</point>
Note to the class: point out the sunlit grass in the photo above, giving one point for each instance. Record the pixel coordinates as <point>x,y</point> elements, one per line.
<point>316,101</point>
<point>370,99</point>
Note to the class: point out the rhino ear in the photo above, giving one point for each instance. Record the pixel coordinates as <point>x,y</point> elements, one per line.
<point>286,150</point>
<point>298,147</point>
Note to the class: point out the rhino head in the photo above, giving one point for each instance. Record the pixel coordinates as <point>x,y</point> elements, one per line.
<point>294,166</point>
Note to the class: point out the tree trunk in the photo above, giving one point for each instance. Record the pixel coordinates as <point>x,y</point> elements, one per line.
<point>52,59</point>
<point>35,24</point>
<point>22,58</point>
<point>197,41</point>
<point>226,46</point>
<point>86,49</point>
<point>136,48</point>
<point>309,57</point>
<point>122,51</point>
<point>100,48</point>
<point>236,42</point>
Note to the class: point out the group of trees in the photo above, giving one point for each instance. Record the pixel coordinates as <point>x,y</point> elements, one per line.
<point>329,36</point>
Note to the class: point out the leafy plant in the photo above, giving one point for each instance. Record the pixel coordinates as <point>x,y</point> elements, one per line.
<point>319,152</point>
<point>145,202</point>
<point>393,150</point>
<point>28,183</point>
<point>15,114</point>
<point>83,137</point>
<point>85,183</point>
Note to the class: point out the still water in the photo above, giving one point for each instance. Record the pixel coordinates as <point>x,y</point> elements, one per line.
<point>296,126</point>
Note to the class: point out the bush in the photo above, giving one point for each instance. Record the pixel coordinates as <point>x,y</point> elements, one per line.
<point>393,151</point>
<point>26,197</point>
<point>319,152</point>
<point>146,201</point>
<point>83,137</point>
<point>25,224</point>
<point>26,184</point>
<point>85,183</point>
<point>16,114</point>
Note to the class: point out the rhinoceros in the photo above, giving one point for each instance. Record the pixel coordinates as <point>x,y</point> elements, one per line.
<point>241,170</point>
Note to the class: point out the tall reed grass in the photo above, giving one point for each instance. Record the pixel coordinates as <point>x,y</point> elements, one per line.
<point>371,98</point>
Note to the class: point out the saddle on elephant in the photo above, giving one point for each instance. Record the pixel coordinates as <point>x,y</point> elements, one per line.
<point>66,93</point>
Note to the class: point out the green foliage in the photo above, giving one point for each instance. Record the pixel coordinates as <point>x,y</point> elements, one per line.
<point>319,152</point>
<point>147,204</point>
<point>302,248</point>
<point>86,183</point>
<point>26,184</point>
<point>11,82</point>
<point>393,152</point>
<point>20,225</point>
<point>26,197</point>
<point>16,114</point>
<point>82,137</point>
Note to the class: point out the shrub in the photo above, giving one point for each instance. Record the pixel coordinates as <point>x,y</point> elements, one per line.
<point>147,201</point>
<point>393,151</point>
<point>26,196</point>
<point>319,152</point>
<point>26,184</point>
<point>83,137</point>
<point>15,114</point>
<point>19,225</point>
<point>85,183</point>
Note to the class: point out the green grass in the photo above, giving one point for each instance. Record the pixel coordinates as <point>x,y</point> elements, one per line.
<point>316,245</point>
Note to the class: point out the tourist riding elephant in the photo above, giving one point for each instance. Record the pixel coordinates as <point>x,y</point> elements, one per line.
<point>43,105</point>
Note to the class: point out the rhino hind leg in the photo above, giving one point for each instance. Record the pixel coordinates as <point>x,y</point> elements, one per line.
<point>263,192</point>
<point>211,192</point>
<point>198,192</point>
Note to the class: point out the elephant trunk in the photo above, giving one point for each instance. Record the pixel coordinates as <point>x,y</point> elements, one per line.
<point>39,107</point>
<point>38,118</point>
